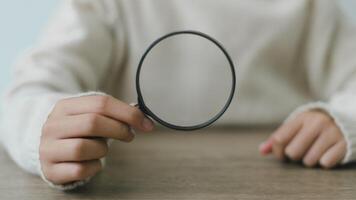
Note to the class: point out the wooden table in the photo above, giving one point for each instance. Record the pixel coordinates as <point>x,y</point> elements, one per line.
<point>207,164</point>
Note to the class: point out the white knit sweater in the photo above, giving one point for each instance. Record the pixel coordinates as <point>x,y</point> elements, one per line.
<point>292,55</point>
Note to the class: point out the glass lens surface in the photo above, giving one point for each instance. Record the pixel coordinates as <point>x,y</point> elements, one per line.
<point>185,80</point>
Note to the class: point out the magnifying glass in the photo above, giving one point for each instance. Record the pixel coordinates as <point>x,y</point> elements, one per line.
<point>185,80</point>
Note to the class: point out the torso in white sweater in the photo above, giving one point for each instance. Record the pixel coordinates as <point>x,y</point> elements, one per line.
<point>287,54</point>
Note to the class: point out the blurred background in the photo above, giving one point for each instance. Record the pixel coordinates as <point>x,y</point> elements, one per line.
<point>22,20</point>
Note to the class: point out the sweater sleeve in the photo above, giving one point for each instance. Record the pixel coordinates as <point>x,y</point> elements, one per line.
<point>330,61</point>
<point>72,57</point>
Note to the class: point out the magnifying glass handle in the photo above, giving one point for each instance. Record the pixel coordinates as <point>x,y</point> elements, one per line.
<point>140,106</point>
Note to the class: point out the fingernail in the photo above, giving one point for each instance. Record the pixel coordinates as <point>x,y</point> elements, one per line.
<point>261,147</point>
<point>147,124</point>
<point>265,148</point>
<point>133,104</point>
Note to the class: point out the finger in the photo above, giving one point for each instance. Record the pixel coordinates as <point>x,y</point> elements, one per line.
<point>76,149</point>
<point>326,139</point>
<point>283,136</point>
<point>89,125</point>
<point>67,172</point>
<point>334,155</point>
<point>300,144</point>
<point>108,106</point>
<point>266,147</point>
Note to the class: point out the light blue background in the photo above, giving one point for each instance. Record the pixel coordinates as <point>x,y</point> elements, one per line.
<point>20,23</point>
<point>22,20</point>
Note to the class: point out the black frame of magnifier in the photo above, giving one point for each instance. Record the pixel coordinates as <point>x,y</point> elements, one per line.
<point>148,112</point>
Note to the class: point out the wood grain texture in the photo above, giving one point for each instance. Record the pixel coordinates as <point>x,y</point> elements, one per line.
<point>207,164</point>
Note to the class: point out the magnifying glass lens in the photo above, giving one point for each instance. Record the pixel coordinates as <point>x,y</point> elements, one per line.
<point>186,80</point>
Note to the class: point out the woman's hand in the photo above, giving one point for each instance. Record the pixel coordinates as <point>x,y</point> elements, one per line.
<point>74,136</point>
<point>312,137</point>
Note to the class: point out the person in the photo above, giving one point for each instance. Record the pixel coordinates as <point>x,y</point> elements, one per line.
<point>296,67</point>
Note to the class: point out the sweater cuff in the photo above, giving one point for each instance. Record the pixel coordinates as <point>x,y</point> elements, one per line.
<point>75,184</point>
<point>69,186</point>
<point>347,125</point>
